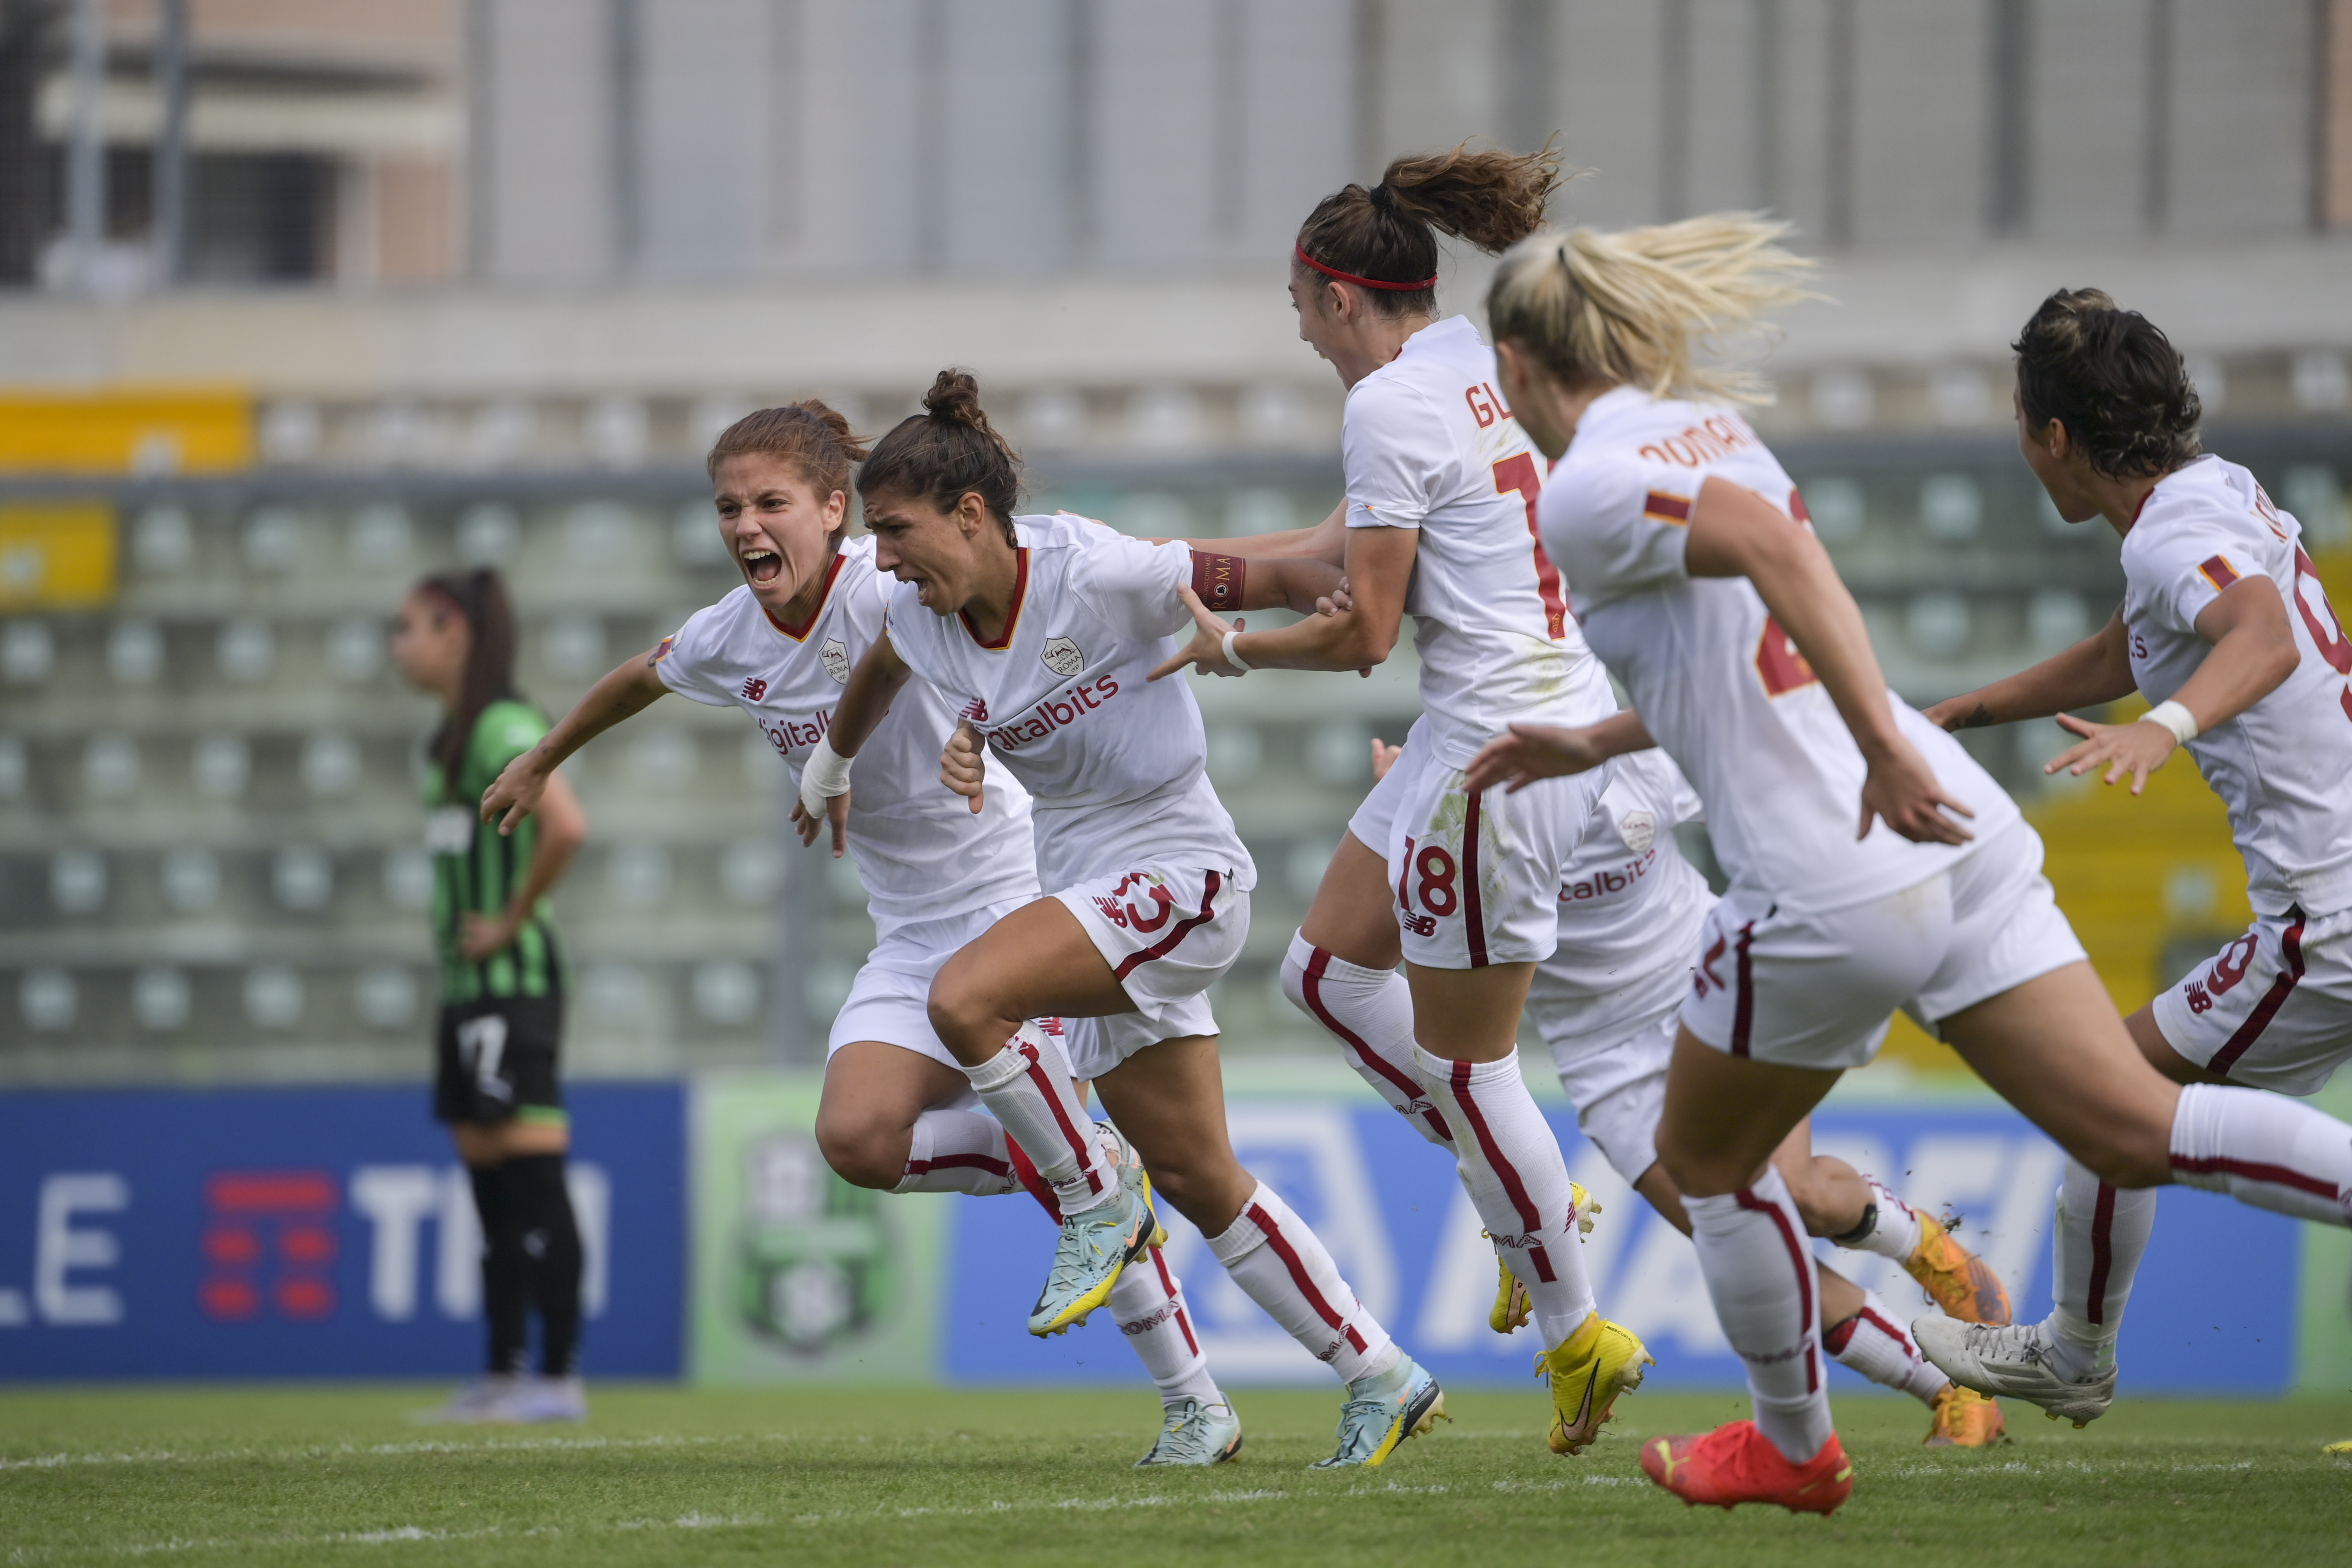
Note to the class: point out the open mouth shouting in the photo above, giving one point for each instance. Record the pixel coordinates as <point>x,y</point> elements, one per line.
<point>760,565</point>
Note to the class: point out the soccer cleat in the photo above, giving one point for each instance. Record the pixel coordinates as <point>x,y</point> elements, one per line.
<point>1735,1463</point>
<point>1195,1434</point>
<point>476,1401</point>
<point>1965,1419</point>
<point>541,1399</point>
<point>2015,1362</point>
<point>2338,1450</point>
<point>1096,1245</point>
<point>1589,1370</point>
<point>1956,1279</point>
<point>1512,1308</point>
<point>1383,1411</point>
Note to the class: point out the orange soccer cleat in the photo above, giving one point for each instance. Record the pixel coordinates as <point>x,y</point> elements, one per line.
<point>1966,1419</point>
<point>1956,1279</point>
<point>1735,1463</point>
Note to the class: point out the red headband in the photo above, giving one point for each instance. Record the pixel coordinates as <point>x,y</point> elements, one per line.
<point>1428,282</point>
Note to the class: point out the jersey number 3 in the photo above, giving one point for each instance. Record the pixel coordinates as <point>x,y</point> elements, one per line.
<point>1519,474</point>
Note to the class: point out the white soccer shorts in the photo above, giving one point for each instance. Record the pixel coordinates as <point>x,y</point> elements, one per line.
<point>2274,1009</point>
<point>1474,879</point>
<point>1816,990</point>
<point>1169,933</point>
<point>890,1000</point>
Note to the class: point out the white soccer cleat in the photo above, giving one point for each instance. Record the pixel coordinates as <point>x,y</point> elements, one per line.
<point>479,1399</point>
<point>533,1400</point>
<point>2017,1362</point>
<point>1195,1434</point>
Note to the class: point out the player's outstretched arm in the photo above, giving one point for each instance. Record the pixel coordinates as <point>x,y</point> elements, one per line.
<point>521,785</point>
<point>1735,533</point>
<point>1326,542</point>
<point>1532,751</point>
<point>1379,568</point>
<point>2253,651</point>
<point>866,701</point>
<point>2095,671</point>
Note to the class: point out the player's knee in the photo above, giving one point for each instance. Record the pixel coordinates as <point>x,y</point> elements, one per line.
<point>861,1151</point>
<point>1294,980</point>
<point>1696,1171</point>
<point>963,1016</point>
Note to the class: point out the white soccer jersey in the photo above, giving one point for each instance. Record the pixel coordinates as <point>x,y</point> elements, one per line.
<point>1427,444</point>
<point>1629,906</point>
<point>921,853</point>
<point>2282,766</point>
<point>1715,681</point>
<point>1116,767</point>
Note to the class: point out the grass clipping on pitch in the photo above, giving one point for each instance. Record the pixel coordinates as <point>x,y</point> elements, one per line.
<point>960,1479</point>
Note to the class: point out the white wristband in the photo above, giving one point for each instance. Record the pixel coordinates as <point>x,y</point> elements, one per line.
<point>2175,718</point>
<point>823,777</point>
<point>1233,656</point>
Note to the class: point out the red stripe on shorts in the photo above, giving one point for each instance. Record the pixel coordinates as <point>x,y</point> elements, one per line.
<point>1474,917</point>
<point>1743,1000</point>
<point>1299,1277</point>
<point>1312,989</point>
<point>1805,1267</point>
<point>2103,1251</point>
<point>2291,949</point>
<point>1530,1217</point>
<point>1167,945</point>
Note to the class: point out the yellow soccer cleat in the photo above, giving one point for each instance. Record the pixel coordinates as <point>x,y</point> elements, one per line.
<point>2339,1450</point>
<point>1512,1307</point>
<point>1956,1279</point>
<point>1965,1419</point>
<point>1589,1370</point>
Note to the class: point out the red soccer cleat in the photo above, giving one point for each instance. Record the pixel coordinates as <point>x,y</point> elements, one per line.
<point>1735,1463</point>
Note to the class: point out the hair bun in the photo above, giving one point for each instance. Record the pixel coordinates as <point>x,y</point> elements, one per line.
<point>955,396</point>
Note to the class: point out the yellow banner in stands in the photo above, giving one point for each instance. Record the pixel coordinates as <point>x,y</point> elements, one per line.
<point>56,555</point>
<point>126,430</point>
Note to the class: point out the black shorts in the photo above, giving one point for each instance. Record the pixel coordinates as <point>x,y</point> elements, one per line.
<point>497,1059</point>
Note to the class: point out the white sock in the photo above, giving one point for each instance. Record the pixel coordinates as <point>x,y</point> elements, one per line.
<point>1751,1248</point>
<point>1874,1344</point>
<point>1894,1225</point>
<point>1282,1266</point>
<point>1511,1164</point>
<point>1369,1013</point>
<point>2264,1150</point>
<point>1147,1301</point>
<point>1026,1085</point>
<point>957,1150</point>
<point>2096,1249</point>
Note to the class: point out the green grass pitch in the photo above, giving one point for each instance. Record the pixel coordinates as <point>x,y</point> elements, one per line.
<point>262,1476</point>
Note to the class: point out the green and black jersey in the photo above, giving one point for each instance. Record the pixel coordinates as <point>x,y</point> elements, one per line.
<point>475,869</point>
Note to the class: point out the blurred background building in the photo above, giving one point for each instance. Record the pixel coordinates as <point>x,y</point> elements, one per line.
<point>299,299</point>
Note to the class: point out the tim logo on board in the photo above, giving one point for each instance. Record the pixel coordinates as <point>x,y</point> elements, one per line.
<point>306,1233</point>
<point>1403,1232</point>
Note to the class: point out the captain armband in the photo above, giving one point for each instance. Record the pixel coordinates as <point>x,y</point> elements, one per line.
<point>1218,580</point>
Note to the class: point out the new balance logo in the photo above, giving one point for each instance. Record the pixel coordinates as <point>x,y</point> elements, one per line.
<point>754,688</point>
<point>1420,925</point>
<point>975,710</point>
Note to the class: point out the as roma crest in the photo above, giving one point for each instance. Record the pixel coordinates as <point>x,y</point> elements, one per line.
<point>835,657</point>
<point>1062,657</point>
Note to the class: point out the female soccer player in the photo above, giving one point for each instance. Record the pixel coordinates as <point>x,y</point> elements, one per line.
<point>2225,628</point>
<point>1042,629</point>
<point>502,980</point>
<point>1439,524</point>
<point>1697,579</point>
<point>1630,909</point>
<point>896,1113</point>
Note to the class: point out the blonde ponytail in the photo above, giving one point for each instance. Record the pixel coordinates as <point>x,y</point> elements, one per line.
<point>1652,308</point>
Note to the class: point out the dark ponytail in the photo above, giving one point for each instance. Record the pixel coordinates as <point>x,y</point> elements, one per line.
<point>1385,237</point>
<point>945,453</point>
<point>480,599</point>
<point>2113,379</point>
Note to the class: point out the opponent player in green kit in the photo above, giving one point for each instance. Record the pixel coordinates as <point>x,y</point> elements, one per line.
<point>501,991</point>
